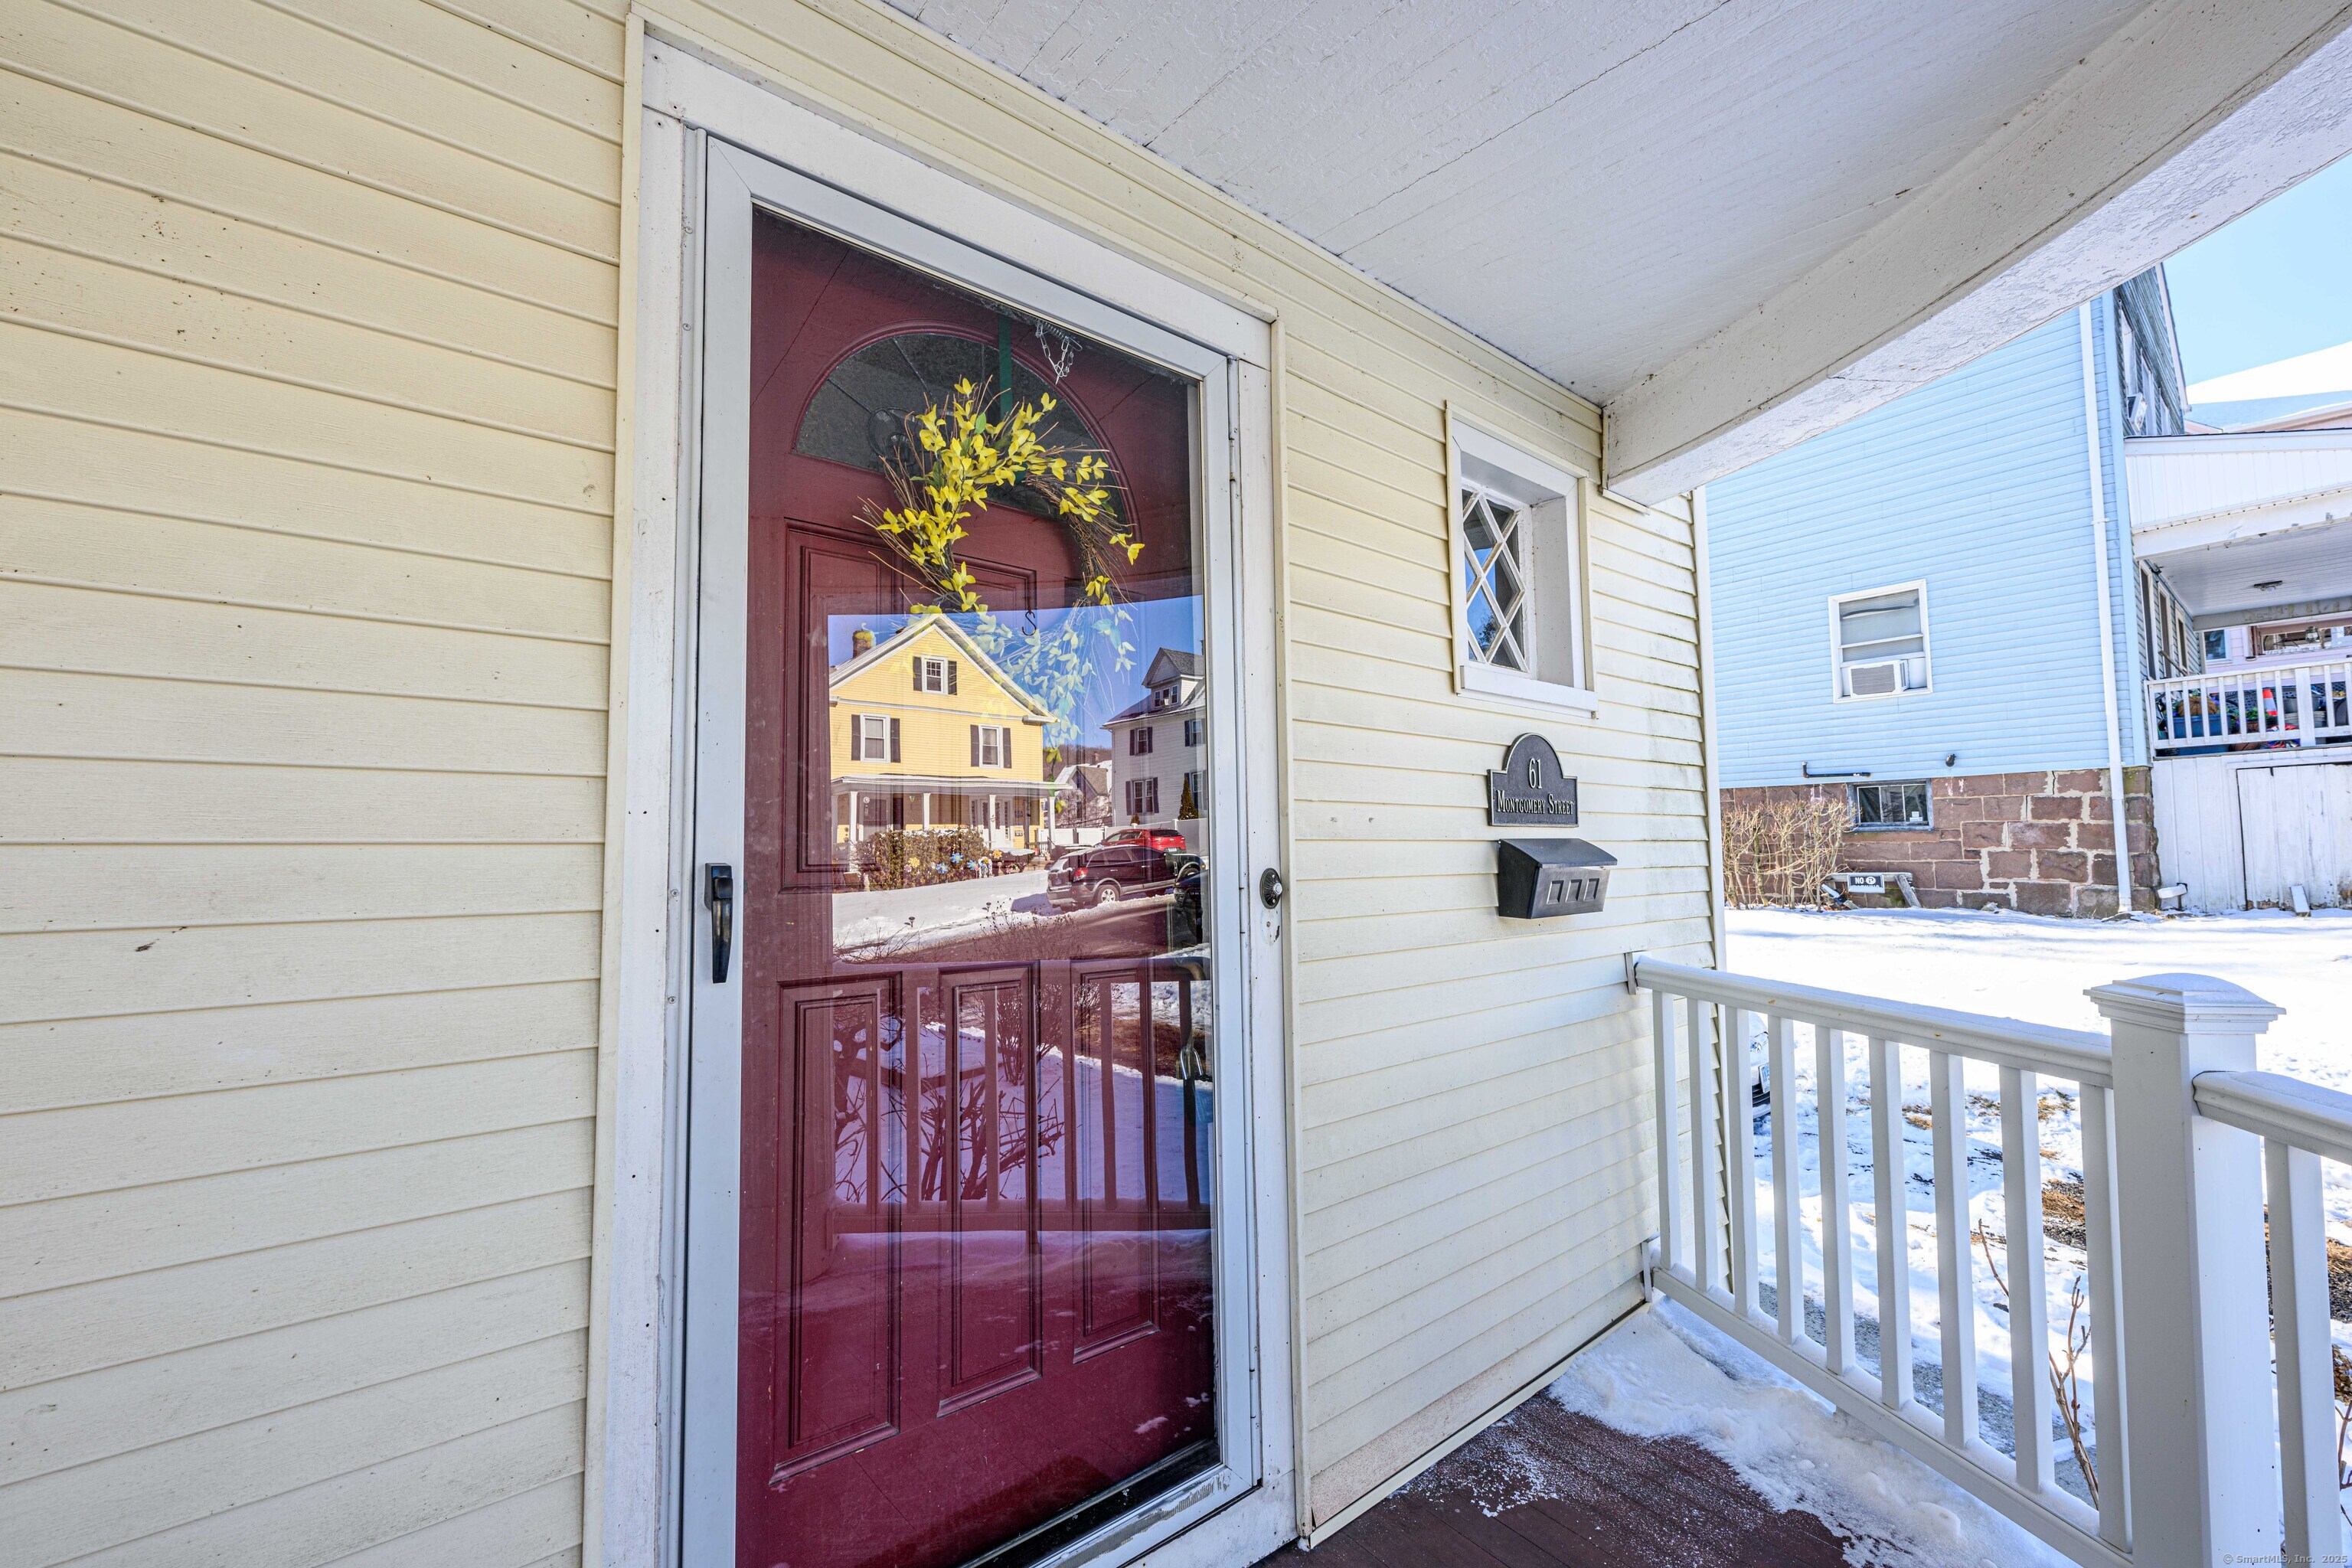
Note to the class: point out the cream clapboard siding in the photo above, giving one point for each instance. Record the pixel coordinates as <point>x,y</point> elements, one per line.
<point>306,371</point>
<point>307,359</point>
<point>1472,1094</point>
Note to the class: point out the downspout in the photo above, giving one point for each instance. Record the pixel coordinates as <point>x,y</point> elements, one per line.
<point>1710,778</point>
<point>2106,612</point>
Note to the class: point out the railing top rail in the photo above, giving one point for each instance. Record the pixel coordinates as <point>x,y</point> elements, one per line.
<point>2276,1106</point>
<point>2079,1054</point>
<point>2245,674</point>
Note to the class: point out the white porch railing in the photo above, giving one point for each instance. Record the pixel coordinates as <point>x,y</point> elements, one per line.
<point>2302,703</point>
<point>2189,1455</point>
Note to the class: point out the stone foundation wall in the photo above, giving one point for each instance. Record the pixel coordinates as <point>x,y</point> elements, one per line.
<point>2043,843</point>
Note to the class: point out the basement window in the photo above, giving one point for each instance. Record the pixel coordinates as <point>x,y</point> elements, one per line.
<point>1518,578</point>
<point>1878,643</point>
<point>1891,807</point>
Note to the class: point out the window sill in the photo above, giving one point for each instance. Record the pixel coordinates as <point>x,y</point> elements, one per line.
<point>1487,682</point>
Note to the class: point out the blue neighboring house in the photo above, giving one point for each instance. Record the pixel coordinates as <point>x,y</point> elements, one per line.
<point>1907,612</point>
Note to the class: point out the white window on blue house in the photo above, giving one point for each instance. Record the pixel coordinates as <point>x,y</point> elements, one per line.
<point>1889,807</point>
<point>1519,591</point>
<point>1878,643</point>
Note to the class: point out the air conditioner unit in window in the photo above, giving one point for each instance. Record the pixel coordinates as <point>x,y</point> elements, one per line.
<point>1884,678</point>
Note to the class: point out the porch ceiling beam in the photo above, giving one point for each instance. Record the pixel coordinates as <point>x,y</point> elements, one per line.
<point>2195,113</point>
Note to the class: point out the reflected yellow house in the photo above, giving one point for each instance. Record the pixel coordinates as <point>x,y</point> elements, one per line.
<point>928,731</point>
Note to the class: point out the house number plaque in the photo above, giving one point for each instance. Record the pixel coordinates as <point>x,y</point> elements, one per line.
<point>1530,790</point>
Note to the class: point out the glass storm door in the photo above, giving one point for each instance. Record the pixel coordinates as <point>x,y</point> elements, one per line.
<point>974,1294</point>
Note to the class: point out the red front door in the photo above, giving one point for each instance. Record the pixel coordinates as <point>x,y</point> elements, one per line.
<point>975,1300</point>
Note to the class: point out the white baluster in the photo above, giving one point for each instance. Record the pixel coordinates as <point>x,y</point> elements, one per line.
<point>2109,1421</point>
<point>1837,1230</point>
<point>2029,1301</point>
<point>1740,1161</point>
<point>1955,1260</point>
<point>1890,1193</point>
<point>1670,1186</point>
<point>2306,1371</point>
<point>1707,1192</point>
<point>1791,1264</point>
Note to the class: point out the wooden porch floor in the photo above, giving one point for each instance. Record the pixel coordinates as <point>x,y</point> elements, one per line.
<point>1545,1488</point>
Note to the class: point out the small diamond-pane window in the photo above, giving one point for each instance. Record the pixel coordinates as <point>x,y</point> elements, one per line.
<point>1494,579</point>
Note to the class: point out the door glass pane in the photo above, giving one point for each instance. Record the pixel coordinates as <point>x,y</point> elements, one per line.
<point>976,1310</point>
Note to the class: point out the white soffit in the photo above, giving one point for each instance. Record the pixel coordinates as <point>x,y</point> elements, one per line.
<point>2302,564</point>
<point>1701,209</point>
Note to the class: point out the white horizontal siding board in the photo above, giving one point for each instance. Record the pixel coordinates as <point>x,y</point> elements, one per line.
<point>44,713</point>
<point>91,1149</point>
<point>96,631</point>
<point>229,563</point>
<point>61,456</point>
<point>77,800</point>
<point>513,1533</point>
<point>135,309</point>
<point>141,887</point>
<point>73,1512</point>
<point>1517,1263</point>
<point>46,1245</point>
<point>50,373</point>
<point>386,85</point>
<point>58,1424</point>
<point>84,55</point>
<point>157,1056</point>
<point>75,974</point>
<point>336,1518</point>
<point>117,1322</point>
<point>81,215</point>
<point>160,158</point>
<point>1460,1241</point>
<point>578,86</point>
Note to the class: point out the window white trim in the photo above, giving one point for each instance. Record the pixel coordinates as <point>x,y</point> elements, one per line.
<point>1926,654</point>
<point>1557,616</point>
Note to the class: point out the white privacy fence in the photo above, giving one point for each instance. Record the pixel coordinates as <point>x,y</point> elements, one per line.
<point>2157,1396</point>
<point>2302,703</point>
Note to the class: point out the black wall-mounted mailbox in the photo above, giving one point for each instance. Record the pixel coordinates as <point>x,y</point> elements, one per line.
<point>1537,878</point>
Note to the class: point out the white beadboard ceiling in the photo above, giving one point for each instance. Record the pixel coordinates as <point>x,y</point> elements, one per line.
<point>1594,187</point>
<point>1734,224</point>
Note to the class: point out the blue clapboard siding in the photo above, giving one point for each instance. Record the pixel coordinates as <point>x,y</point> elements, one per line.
<point>1978,484</point>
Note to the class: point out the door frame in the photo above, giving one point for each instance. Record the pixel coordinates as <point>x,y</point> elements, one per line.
<point>712,142</point>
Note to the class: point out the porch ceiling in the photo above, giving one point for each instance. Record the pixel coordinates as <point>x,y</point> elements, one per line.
<point>1621,194</point>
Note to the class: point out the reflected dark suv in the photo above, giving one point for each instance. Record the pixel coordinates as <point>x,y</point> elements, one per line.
<point>1129,862</point>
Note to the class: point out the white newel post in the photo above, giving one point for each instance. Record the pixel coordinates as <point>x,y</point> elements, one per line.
<point>2197,1359</point>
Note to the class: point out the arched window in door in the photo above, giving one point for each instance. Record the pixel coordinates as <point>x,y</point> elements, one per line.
<point>860,415</point>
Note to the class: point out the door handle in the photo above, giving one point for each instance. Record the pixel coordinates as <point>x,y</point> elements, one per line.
<point>719,892</point>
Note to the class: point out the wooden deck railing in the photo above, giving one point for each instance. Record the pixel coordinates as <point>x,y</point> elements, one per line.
<point>2173,1421</point>
<point>2299,704</point>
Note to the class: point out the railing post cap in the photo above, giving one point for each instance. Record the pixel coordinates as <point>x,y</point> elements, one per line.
<point>2191,1003</point>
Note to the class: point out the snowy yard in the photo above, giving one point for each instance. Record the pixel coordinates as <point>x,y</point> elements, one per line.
<point>2009,966</point>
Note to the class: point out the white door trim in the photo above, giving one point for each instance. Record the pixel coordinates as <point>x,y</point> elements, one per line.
<point>814,168</point>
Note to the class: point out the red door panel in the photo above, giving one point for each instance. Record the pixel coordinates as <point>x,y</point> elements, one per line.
<point>975,1245</point>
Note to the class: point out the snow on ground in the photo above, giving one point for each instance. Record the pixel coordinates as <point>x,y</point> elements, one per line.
<point>2022,967</point>
<point>1662,1373</point>
<point>2025,966</point>
<point>880,919</point>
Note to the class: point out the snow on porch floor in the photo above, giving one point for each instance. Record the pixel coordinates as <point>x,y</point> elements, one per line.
<point>1665,1444</point>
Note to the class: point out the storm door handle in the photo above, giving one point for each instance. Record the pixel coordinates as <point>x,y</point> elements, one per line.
<point>719,892</point>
